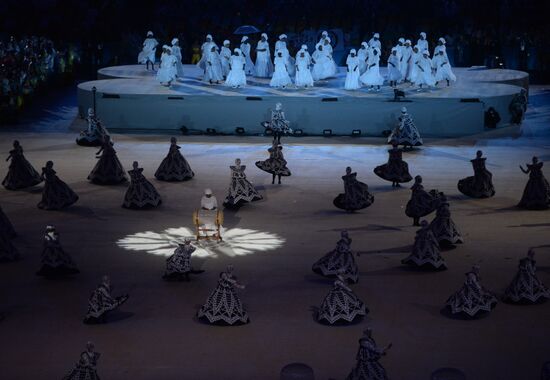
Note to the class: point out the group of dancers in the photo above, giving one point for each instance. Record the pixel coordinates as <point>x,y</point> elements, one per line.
<point>406,63</point>
<point>223,306</point>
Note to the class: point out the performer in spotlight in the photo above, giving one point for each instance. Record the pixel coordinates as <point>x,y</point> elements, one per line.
<point>147,54</point>
<point>178,266</point>
<point>225,58</point>
<point>536,195</point>
<point>472,299</point>
<point>174,167</point>
<point>56,194</point>
<point>176,52</point>
<point>55,261</point>
<point>275,164</point>
<point>395,170</point>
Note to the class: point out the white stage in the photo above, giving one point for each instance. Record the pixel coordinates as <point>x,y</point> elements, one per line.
<point>129,97</point>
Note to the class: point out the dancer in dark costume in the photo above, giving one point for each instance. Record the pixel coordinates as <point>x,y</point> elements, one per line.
<point>240,190</point>
<point>367,366</point>
<point>405,133</point>
<point>6,226</point>
<point>141,193</point>
<point>223,306</point>
<point>443,226</point>
<point>85,369</point>
<point>339,261</point>
<point>341,305</point>
<point>101,302</point>
<point>21,174</point>
<point>421,203</point>
<point>94,134</point>
<point>8,252</point>
<point>395,170</point>
<point>55,261</point>
<point>536,195</point>
<point>480,185</point>
<point>278,125</point>
<point>108,170</point>
<point>56,194</point>
<point>178,266</point>
<point>174,167</point>
<point>425,252</point>
<point>526,288</point>
<point>275,164</point>
<point>472,299</point>
<point>356,194</point>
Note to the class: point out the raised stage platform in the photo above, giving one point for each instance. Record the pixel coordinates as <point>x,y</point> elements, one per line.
<point>129,97</point>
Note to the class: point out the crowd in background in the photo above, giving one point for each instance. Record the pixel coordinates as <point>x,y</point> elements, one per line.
<point>26,64</point>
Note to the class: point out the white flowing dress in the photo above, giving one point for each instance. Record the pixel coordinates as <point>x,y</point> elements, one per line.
<point>303,75</point>
<point>213,70</point>
<point>280,75</point>
<point>372,76</point>
<point>443,70</point>
<point>249,68</point>
<point>225,58</point>
<point>264,66</point>
<point>167,72</point>
<point>394,74</point>
<point>424,73</point>
<point>236,76</point>
<point>148,51</point>
<point>353,73</point>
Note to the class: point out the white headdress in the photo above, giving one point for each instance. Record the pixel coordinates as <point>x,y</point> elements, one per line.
<point>149,33</point>
<point>169,48</point>
<point>244,38</point>
<point>404,109</point>
<point>364,44</point>
<point>328,39</point>
<point>353,51</point>
<point>226,42</point>
<point>423,34</point>
<point>408,42</point>
<point>426,51</point>
<point>402,40</point>
<point>442,40</point>
<point>304,47</point>
<point>209,36</point>
<point>175,41</point>
<point>282,36</point>
<point>376,35</point>
<point>325,33</point>
<point>264,35</point>
<point>165,46</point>
<point>209,191</point>
<point>393,49</point>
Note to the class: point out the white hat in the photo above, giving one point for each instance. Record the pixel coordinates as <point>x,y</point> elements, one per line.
<point>423,34</point>
<point>408,42</point>
<point>244,38</point>
<point>426,51</point>
<point>149,33</point>
<point>264,35</point>
<point>50,227</point>
<point>402,40</point>
<point>175,41</point>
<point>393,49</point>
<point>165,46</point>
<point>442,40</point>
<point>304,47</point>
<point>209,36</point>
<point>278,106</point>
<point>353,51</point>
<point>282,36</point>
<point>90,111</point>
<point>376,35</point>
<point>169,48</point>
<point>364,44</point>
<point>404,109</point>
<point>325,33</point>
<point>328,39</point>
<point>225,42</point>
<point>209,191</point>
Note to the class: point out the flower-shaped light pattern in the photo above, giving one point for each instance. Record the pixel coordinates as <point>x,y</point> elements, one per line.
<point>236,242</point>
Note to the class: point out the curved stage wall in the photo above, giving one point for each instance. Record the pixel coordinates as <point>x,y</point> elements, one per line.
<point>136,101</point>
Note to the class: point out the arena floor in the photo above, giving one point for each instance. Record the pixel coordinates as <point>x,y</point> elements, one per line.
<point>272,244</point>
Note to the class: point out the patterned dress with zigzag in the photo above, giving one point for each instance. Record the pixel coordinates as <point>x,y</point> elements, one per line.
<point>472,298</point>
<point>526,287</point>
<point>367,366</point>
<point>338,260</point>
<point>341,305</point>
<point>240,189</point>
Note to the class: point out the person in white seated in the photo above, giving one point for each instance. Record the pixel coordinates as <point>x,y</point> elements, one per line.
<point>209,201</point>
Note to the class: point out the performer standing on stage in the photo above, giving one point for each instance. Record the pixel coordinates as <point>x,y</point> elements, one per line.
<point>278,124</point>
<point>147,54</point>
<point>422,42</point>
<point>374,42</point>
<point>480,185</point>
<point>424,74</point>
<point>280,78</point>
<point>213,73</point>
<point>240,190</point>
<point>276,163</point>
<point>21,173</point>
<point>321,64</point>
<point>168,70</point>
<point>394,73</point>
<point>395,170</point>
<point>225,58</point>
<point>176,52</point>
<point>264,66</point>
<point>245,51</point>
<point>332,69</point>
<point>353,71</point>
<point>363,55</point>
<point>536,195</point>
<point>236,77</point>
<point>303,74</point>
<point>406,61</point>
<point>413,67</point>
<point>206,48</point>
<point>56,194</point>
<point>442,68</point>
<point>372,76</point>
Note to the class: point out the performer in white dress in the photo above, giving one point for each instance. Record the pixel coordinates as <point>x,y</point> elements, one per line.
<point>147,54</point>
<point>280,75</point>
<point>303,74</point>
<point>236,77</point>
<point>321,64</point>
<point>400,46</point>
<point>206,48</point>
<point>374,42</point>
<point>324,35</point>
<point>225,57</point>
<point>353,72</point>
<point>289,61</point>
<point>209,201</point>
<point>306,53</point>
<point>440,46</point>
<point>213,73</point>
<point>245,51</point>
<point>422,42</point>
<point>264,66</point>
<point>413,68</point>
<point>405,60</point>
<point>394,74</point>
<point>363,55</point>
<point>168,71</point>
<point>424,74</point>
<point>332,69</point>
<point>372,76</point>
<point>176,52</point>
<point>442,68</point>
